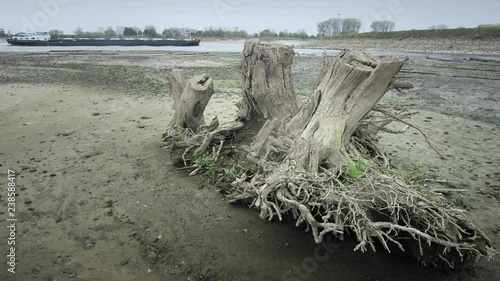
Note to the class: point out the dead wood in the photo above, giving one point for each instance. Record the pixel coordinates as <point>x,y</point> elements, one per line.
<point>322,162</point>
<point>189,104</point>
<point>267,81</point>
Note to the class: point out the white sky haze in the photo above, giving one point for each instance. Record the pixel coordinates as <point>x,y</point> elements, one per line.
<point>250,15</point>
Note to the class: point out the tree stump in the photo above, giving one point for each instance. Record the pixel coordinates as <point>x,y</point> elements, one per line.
<point>190,102</point>
<point>317,165</point>
<point>267,81</point>
<point>348,90</point>
<point>320,163</point>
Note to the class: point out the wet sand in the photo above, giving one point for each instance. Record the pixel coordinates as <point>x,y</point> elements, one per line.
<point>99,199</point>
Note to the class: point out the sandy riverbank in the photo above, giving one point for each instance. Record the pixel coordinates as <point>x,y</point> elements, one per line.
<point>98,198</point>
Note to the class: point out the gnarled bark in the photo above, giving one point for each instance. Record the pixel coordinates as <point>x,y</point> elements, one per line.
<point>267,82</point>
<point>189,104</point>
<point>177,83</point>
<point>348,90</point>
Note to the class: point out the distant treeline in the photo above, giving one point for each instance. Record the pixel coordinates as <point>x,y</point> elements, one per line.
<point>481,32</point>
<point>335,27</point>
<point>175,32</point>
<point>350,27</point>
<point>236,33</point>
<point>338,26</point>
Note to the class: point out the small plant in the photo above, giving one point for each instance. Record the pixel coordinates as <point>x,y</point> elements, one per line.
<point>231,174</point>
<point>206,162</point>
<point>355,170</point>
<point>420,189</point>
<point>252,168</point>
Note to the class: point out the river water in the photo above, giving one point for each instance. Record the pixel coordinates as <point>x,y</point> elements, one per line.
<point>226,47</point>
<point>229,47</point>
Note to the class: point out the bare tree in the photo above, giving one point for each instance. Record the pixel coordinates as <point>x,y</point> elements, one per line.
<point>119,30</point>
<point>382,26</point>
<point>78,31</point>
<point>109,31</point>
<point>351,25</point>
<point>322,29</point>
<point>336,26</point>
<point>438,27</point>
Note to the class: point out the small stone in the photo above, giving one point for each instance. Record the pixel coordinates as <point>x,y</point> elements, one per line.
<point>124,261</point>
<point>109,202</point>
<point>28,201</point>
<point>52,175</point>
<point>152,255</point>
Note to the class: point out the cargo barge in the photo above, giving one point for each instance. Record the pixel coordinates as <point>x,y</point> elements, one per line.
<point>44,39</point>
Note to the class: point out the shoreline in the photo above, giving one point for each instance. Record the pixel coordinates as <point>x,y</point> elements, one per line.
<point>486,47</point>
<point>445,46</point>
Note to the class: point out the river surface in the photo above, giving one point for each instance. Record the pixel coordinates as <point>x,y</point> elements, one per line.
<point>227,47</point>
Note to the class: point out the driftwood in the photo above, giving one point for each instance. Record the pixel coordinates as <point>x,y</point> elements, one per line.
<point>322,162</point>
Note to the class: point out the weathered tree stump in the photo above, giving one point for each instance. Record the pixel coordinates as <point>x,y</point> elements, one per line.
<point>318,165</point>
<point>349,89</point>
<point>267,81</point>
<point>321,162</point>
<point>190,101</point>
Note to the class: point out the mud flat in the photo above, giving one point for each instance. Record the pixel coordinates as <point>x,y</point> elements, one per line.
<point>445,45</point>
<point>99,199</point>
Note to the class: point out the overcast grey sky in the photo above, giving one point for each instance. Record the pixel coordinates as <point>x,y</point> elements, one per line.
<point>250,15</point>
